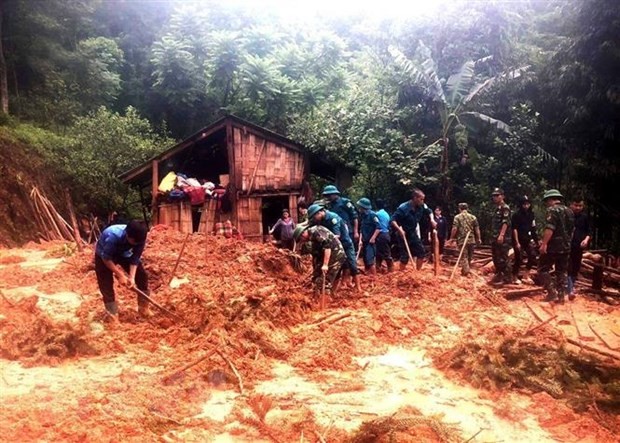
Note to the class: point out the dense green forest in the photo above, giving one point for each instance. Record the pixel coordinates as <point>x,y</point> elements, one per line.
<point>520,94</point>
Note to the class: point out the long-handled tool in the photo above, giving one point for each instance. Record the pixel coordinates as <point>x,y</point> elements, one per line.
<point>436,251</point>
<point>178,259</point>
<point>323,300</point>
<point>359,249</point>
<point>460,255</point>
<point>157,305</point>
<point>408,250</point>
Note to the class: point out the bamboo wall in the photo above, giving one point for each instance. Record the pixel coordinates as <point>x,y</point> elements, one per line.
<point>177,215</point>
<point>250,216</point>
<point>265,165</point>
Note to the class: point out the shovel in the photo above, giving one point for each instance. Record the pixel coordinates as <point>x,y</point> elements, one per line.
<point>408,251</point>
<point>157,305</point>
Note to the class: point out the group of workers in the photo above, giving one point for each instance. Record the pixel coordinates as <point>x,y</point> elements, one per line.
<point>566,233</point>
<point>337,232</point>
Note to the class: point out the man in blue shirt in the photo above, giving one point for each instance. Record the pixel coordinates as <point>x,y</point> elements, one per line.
<point>405,220</point>
<point>370,230</point>
<point>344,208</point>
<point>117,253</point>
<point>318,215</point>
<point>384,251</point>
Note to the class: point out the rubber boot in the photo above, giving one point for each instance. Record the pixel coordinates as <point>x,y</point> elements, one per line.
<point>111,310</point>
<point>390,265</point>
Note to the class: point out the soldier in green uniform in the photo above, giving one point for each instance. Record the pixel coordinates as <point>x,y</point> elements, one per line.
<point>500,245</point>
<point>555,246</point>
<point>327,254</point>
<point>465,223</point>
<point>318,215</point>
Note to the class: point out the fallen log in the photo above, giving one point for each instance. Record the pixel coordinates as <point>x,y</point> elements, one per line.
<point>593,348</point>
<point>518,293</point>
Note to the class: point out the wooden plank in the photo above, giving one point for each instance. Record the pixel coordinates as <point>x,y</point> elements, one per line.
<point>581,326</point>
<point>608,338</point>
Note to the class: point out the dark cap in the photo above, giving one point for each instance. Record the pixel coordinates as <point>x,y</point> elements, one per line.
<point>524,199</point>
<point>497,191</point>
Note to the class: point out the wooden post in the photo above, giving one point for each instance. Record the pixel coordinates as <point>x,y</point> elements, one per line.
<point>232,171</point>
<point>597,277</point>
<point>154,190</point>
<point>260,156</point>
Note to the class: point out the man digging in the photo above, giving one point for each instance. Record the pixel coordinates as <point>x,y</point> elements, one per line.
<point>117,253</point>
<point>327,255</point>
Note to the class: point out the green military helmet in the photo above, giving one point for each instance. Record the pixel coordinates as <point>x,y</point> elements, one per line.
<point>330,189</point>
<point>552,193</point>
<point>364,203</point>
<point>299,229</point>
<point>313,209</point>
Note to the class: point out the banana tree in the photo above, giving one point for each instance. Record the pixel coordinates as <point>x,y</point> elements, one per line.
<point>451,100</point>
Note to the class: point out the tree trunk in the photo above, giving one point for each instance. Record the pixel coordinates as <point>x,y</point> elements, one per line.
<point>4,87</point>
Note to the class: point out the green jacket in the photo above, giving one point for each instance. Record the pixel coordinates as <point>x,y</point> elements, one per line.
<point>561,221</point>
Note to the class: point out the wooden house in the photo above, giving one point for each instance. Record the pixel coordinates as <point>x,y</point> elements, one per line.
<point>263,172</point>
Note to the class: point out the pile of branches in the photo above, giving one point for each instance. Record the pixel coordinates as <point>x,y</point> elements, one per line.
<point>407,427</point>
<point>538,364</point>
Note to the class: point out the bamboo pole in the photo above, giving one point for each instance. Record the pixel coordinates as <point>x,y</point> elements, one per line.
<point>76,230</point>
<point>460,255</point>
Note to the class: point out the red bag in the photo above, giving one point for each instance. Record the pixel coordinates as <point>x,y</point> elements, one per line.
<point>196,194</point>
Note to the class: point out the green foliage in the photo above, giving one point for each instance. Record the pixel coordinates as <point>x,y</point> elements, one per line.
<point>103,145</point>
<point>516,94</point>
<point>539,364</point>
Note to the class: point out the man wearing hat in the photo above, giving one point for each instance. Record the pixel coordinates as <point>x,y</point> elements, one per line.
<point>318,215</point>
<point>370,230</point>
<point>344,208</point>
<point>525,237</point>
<point>555,245</point>
<point>465,223</point>
<point>327,254</point>
<point>500,246</point>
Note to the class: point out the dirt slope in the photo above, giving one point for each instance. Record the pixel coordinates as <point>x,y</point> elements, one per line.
<point>21,168</point>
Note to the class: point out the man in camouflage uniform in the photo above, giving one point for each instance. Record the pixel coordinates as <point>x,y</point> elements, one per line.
<point>327,255</point>
<point>318,215</point>
<point>344,208</point>
<point>465,223</point>
<point>555,246</point>
<point>501,231</point>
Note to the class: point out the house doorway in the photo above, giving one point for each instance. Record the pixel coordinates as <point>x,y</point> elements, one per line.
<point>271,209</point>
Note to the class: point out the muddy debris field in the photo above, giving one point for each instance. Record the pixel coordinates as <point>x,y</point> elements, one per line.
<point>247,355</point>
